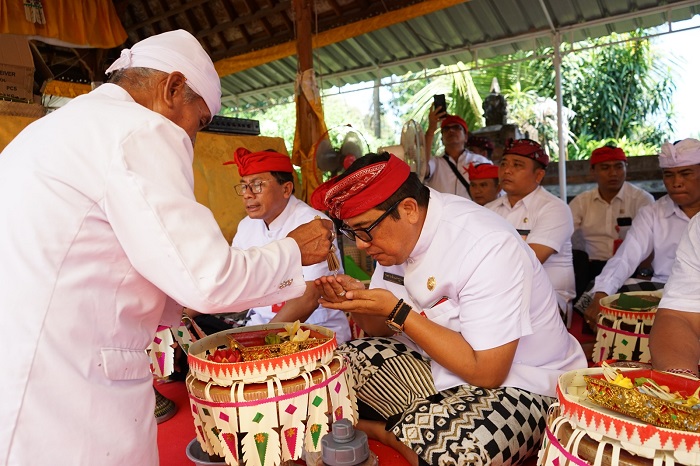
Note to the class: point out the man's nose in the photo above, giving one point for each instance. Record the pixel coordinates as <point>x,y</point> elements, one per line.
<point>361,244</point>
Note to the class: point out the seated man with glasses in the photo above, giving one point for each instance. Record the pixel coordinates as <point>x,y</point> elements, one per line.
<point>466,342</point>
<point>267,192</point>
<point>447,172</point>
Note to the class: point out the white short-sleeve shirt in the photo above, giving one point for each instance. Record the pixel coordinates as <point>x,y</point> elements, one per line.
<point>443,179</point>
<point>542,218</point>
<point>254,233</point>
<point>471,272</point>
<point>597,221</point>
<point>682,291</point>
<point>657,227</point>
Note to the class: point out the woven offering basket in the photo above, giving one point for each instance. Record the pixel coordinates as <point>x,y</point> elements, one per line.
<point>284,361</point>
<point>648,408</point>
<point>624,334</point>
<point>581,432</point>
<point>275,403</point>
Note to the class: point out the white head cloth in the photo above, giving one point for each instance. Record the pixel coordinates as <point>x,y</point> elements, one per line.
<point>683,154</point>
<point>176,51</point>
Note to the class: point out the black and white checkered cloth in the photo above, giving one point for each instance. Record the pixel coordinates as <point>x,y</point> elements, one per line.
<point>464,425</point>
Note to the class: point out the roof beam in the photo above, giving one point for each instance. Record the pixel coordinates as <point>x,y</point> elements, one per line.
<point>244,61</point>
<point>473,48</point>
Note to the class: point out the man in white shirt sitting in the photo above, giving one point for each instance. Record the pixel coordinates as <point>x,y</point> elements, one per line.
<point>447,172</point>
<point>658,227</point>
<point>603,214</point>
<point>543,220</point>
<point>267,190</point>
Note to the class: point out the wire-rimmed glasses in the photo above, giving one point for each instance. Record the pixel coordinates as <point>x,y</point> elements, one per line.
<point>255,187</point>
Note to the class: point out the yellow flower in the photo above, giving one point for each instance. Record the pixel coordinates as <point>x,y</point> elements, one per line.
<point>622,381</point>
<point>290,329</point>
<point>301,335</point>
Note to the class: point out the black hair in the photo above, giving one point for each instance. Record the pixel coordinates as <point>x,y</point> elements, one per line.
<point>282,177</point>
<point>412,187</point>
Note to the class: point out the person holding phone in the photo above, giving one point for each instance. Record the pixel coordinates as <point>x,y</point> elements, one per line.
<point>448,172</point>
<point>603,214</point>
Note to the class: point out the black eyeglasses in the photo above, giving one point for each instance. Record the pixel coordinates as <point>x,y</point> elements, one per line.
<point>364,233</point>
<point>255,188</point>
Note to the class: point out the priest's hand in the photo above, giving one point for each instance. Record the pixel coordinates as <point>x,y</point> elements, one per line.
<point>314,240</point>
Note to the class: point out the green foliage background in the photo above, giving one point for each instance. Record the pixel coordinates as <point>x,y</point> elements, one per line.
<point>615,89</point>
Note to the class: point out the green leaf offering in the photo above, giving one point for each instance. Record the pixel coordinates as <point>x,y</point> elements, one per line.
<point>273,339</point>
<point>628,302</point>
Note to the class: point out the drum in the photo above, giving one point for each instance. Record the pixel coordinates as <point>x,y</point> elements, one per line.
<point>580,432</point>
<point>624,334</point>
<point>275,403</point>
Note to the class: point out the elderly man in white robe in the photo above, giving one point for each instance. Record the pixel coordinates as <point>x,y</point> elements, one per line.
<point>102,237</point>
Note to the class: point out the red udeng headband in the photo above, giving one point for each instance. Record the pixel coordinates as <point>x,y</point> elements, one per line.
<point>607,154</point>
<point>362,189</point>
<point>527,148</point>
<point>482,171</point>
<point>251,163</point>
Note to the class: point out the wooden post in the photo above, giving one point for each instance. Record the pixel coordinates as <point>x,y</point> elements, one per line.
<point>305,118</point>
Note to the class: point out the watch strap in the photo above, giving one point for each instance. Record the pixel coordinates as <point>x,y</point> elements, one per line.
<point>397,321</point>
<point>393,311</point>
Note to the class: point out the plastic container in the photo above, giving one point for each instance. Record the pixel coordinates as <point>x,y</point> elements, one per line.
<point>198,456</point>
<point>345,446</point>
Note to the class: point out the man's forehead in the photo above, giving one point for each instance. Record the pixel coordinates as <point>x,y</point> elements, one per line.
<point>256,176</point>
<point>680,169</point>
<point>611,163</point>
<point>364,218</point>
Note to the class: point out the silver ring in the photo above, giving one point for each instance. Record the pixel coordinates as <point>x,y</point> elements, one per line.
<point>341,294</point>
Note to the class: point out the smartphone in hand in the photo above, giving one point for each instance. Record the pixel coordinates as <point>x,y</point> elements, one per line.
<point>439,102</point>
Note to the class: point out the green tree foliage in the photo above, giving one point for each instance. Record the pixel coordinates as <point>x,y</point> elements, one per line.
<point>618,90</point>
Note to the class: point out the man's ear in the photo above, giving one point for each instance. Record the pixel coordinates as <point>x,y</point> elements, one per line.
<point>288,187</point>
<point>540,175</point>
<point>174,88</point>
<point>409,206</point>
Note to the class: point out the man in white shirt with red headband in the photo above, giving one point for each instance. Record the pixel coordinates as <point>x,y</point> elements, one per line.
<point>483,180</point>
<point>657,228</point>
<point>541,218</point>
<point>447,172</point>
<point>267,192</point>
<point>603,215</point>
<point>463,339</point>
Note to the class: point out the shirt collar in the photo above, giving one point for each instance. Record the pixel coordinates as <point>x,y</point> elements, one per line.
<point>668,208</point>
<point>525,201</point>
<point>620,194</point>
<point>281,219</point>
<point>430,226</point>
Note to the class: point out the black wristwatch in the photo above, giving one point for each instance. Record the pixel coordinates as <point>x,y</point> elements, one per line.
<point>395,322</point>
<point>645,272</point>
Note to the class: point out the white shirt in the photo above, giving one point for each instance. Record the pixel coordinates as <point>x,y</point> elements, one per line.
<point>682,291</point>
<point>596,220</point>
<point>496,292</point>
<point>254,233</point>
<point>100,226</point>
<point>657,227</point>
<point>542,218</point>
<point>443,179</point>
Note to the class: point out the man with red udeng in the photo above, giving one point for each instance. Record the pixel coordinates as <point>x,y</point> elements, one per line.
<point>447,173</point>
<point>603,214</point>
